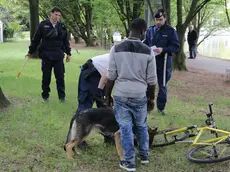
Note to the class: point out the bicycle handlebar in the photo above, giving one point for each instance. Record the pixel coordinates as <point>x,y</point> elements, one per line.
<point>210,110</point>
<point>210,121</point>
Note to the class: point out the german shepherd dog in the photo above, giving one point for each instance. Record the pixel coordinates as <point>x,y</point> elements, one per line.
<point>102,119</point>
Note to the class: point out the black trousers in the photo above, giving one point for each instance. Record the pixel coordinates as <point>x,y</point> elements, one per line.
<point>59,70</point>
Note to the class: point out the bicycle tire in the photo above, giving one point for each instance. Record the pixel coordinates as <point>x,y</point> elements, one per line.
<point>202,161</point>
<point>184,136</point>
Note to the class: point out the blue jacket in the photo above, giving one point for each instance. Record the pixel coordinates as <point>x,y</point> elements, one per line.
<point>166,37</point>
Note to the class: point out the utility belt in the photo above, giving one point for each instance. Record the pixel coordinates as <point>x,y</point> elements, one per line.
<point>88,69</point>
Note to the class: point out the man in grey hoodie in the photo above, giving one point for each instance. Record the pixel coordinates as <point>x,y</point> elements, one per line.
<point>132,73</point>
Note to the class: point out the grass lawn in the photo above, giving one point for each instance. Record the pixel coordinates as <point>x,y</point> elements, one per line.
<point>32,133</point>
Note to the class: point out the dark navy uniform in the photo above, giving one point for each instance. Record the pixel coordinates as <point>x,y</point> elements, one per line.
<point>165,37</point>
<point>53,43</point>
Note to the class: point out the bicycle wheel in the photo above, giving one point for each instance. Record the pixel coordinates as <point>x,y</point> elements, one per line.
<point>209,153</point>
<point>161,139</point>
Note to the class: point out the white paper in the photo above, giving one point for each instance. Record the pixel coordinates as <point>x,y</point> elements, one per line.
<point>154,47</point>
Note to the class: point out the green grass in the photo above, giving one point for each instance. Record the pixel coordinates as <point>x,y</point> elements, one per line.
<point>32,133</point>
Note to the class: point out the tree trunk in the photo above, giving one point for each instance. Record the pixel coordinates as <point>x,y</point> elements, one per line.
<point>167,8</point>
<point>76,39</point>
<point>179,58</point>
<point>89,42</point>
<point>34,17</point>
<point>34,20</point>
<point>3,101</point>
<point>226,10</point>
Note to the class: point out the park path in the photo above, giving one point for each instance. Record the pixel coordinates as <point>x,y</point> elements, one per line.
<point>209,64</point>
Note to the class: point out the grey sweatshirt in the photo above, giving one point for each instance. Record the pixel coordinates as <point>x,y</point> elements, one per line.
<point>132,66</point>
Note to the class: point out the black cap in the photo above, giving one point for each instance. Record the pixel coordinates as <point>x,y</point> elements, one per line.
<point>160,13</point>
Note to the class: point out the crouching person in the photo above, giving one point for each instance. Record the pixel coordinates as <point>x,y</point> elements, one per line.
<point>91,85</point>
<point>132,73</point>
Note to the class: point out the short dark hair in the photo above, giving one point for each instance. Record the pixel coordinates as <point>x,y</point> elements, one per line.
<point>55,9</point>
<point>138,24</point>
<point>160,13</point>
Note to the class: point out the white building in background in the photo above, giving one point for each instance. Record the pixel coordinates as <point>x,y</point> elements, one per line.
<point>1,32</point>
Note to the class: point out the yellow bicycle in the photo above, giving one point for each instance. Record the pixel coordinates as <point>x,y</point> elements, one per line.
<point>212,150</point>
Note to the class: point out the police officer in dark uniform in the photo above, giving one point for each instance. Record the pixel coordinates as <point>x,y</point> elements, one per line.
<point>165,38</point>
<point>51,37</point>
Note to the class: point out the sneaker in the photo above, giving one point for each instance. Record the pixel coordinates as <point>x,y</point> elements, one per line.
<point>162,112</point>
<point>128,166</point>
<point>144,159</point>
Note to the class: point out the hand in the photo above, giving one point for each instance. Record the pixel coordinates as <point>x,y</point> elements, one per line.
<point>150,105</point>
<point>109,101</point>
<point>67,58</point>
<point>28,55</point>
<point>158,50</point>
<point>100,93</point>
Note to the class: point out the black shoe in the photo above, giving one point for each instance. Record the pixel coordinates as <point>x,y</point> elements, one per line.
<point>190,58</point>
<point>44,100</point>
<point>162,112</point>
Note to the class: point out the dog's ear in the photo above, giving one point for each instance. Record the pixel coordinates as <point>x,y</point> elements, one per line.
<point>152,132</point>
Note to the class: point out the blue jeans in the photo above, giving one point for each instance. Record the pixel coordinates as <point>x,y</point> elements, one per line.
<point>131,113</point>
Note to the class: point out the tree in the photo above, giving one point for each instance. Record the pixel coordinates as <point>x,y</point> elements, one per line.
<point>195,7</point>
<point>105,21</point>
<point>14,16</point>
<point>34,17</point>
<point>226,11</point>
<point>127,11</point>
<point>204,17</point>
<point>166,7</point>
<point>3,101</point>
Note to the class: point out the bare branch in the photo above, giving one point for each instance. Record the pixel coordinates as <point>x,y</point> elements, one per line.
<point>207,35</point>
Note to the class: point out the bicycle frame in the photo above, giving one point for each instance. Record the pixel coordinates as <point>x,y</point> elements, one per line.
<point>211,127</point>
<point>210,141</point>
